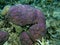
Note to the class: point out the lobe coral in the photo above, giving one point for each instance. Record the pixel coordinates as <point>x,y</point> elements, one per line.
<point>3,37</point>
<point>26,14</point>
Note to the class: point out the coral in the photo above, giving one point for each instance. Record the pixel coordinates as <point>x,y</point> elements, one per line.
<point>5,10</point>
<point>51,10</point>
<point>26,14</point>
<point>25,39</point>
<point>3,37</point>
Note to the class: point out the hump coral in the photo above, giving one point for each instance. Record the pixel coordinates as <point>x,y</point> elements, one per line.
<point>26,14</point>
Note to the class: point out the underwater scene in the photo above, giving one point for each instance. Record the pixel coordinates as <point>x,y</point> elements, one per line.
<point>29,22</point>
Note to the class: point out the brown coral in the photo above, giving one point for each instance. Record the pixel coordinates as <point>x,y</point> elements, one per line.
<point>3,37</point>
<point>25,14</point>
<point>25,39</point>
